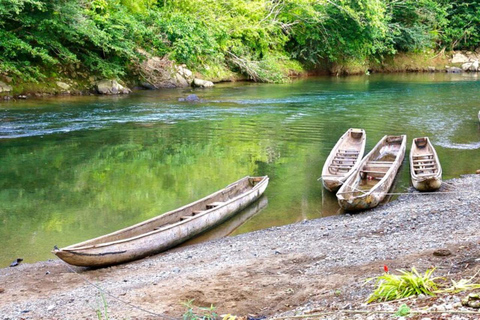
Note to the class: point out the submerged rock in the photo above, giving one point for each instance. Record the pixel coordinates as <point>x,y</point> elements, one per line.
<point>190,98</point>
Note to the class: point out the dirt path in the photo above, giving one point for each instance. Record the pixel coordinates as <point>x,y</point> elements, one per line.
<point>317,265</point>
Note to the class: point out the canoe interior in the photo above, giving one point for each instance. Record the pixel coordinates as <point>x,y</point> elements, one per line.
<point>347,153</point>
<point>423,158</point>
<point>176,216</point>
<point>376,165</point>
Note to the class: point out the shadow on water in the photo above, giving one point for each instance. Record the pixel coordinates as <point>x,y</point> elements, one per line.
<point>75,168</point>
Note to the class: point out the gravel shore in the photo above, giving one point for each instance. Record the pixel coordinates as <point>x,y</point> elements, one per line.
<point>312,267</point>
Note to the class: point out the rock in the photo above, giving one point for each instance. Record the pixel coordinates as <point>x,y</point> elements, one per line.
<point>453,69</point>
<point>2,290</point>
<point>472,301</point>
<point>5,87</point>
<point>16,262</point>
<point>442,253</point>
<point>478,171</point>
<point>202,83</point>
<point>468,67</point>
<point>474,65</point>
<point>63,85</point>
<point>111,87</point>
<point>22,96</point>
<point>163,73</point>
<point>431,69</point>
<point>459,58</point>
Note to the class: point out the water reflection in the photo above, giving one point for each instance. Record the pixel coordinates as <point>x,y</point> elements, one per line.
<point>228,227</point>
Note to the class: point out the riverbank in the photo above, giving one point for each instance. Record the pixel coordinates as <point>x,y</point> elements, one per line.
<point>160,74</point>
<point>314,266</point>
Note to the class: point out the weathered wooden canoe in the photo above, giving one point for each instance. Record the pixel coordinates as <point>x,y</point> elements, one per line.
<point>425,168</point>
<point>368,186</point>
<point>167,230</point>
<point>344,158</point>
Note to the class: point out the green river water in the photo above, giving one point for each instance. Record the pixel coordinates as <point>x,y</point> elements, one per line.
<point>75,168</point>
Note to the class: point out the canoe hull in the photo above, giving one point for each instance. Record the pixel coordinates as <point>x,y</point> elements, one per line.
<point>350,198</point>
<point>431,184</point>
<point>425,167</point>
<point>334,173</point>
<point>156,241</point>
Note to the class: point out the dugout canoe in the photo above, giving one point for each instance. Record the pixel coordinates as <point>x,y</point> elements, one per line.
<point>425,168</point>
<point>369,185</point>
<point>167,230</point>
<point>344,158</point>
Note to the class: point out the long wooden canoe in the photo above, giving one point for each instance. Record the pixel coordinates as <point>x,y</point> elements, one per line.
<point>368,186</point>
<point>344,158</point>
<point>425,168</point>
<point>167,230</point>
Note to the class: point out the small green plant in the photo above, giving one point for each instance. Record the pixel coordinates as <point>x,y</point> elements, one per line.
<point>403,311</point>
<point>408,283</point>
<point>208,312</point>
<point>461,286</point>
<point>102,314</point>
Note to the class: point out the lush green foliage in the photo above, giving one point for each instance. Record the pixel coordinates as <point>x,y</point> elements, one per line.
<point>462,27</point>
<point>262,39</point>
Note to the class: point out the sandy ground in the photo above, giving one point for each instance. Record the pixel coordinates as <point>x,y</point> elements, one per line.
<point>310,267</point>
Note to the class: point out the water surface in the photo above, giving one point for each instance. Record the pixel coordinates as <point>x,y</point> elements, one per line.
<point>76,168</point>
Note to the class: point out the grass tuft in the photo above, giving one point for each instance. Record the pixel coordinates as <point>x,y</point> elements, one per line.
<point>408,283</point>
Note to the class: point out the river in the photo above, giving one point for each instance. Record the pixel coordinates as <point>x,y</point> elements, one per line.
<point>78,167</point>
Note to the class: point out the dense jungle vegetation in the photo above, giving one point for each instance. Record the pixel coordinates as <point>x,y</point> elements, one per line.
<point>262,39</point>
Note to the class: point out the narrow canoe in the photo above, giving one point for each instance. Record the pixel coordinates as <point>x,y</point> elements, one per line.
<point>425,168</point>
<point>344,158</point>
<point>369,185</point>
<point>167,230</point>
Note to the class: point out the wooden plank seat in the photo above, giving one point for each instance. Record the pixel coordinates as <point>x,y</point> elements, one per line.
<point>426,173</point>
<point>423,155</point>
<point>424,165</point>
<point>347,155</point>
<point>345,158</point>
<point>348,151</point>
<point>379,165</point>
<point>195,212</point>
<point>214,204</point>
<point>380,161</point>
<point>341,165</point>
<point>423,161</point>
<point>373,171</point>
